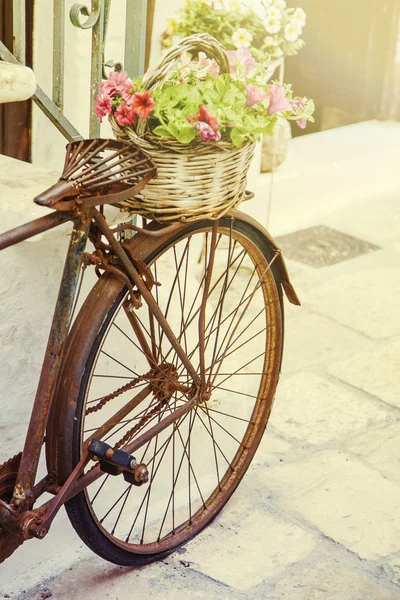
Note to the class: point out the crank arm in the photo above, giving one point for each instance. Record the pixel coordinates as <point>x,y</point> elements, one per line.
<point>77,482</point>
<point>94,474</point>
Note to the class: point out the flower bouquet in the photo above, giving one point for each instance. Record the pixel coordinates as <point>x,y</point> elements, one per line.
<point>198,119</point>
<point>263,26</point>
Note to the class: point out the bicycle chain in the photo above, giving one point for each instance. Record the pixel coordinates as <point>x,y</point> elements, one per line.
<point>8,462</point>
<point>129,434</point>
<point>119,391</point>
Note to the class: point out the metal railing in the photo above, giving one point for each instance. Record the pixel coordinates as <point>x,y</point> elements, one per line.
<point>94,19</point>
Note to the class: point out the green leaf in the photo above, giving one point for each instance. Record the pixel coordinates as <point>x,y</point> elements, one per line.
<point>174,128</point>
<point>221,89</point>
<point>161,131</point>
<point>238,137</point>
<point>186,134</point>
<point>193,96</point>
<point>190,110</point>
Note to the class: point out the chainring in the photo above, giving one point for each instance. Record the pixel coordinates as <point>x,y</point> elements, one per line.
<point>8,476</point>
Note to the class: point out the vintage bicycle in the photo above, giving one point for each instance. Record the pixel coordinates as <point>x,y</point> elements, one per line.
<point>154,397</point>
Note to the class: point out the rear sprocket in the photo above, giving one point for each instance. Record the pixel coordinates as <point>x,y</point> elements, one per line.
<point>8,476</point>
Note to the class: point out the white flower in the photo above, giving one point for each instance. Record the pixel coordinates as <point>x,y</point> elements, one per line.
<point>299,16</point>
<point>280,4</point>
<point>272,24</point>
<point>270,41</point>
<point>273,13</point>
<point>255,5</point>
<point>242,38</point>
<point>292,31</point>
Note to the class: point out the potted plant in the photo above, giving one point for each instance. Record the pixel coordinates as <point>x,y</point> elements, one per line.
<point>198,115</point>
<point>265,27</point>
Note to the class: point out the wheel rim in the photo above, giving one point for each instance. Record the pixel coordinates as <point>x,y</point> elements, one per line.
<point>195,465</point>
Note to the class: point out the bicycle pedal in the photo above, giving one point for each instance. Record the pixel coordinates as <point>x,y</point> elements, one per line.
<point>117,462</point>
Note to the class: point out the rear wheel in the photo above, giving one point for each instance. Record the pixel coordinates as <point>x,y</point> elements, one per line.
<point>195,464</point>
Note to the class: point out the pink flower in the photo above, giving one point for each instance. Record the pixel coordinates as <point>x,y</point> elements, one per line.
<point>277,100</point>
<point>116,83</point>
<point>206,124</point>
<point>103,106</point>
<point>254,94</point>
<point>142,104</point>
<point>208,118</point>
<point>214,68</point>
<point>241,58</point>
<point>206,66</point>
<point>296,106</point>
<point>205,116</point>
<point>207,133</point>
<point>124,115</point>
<point>125,90</point>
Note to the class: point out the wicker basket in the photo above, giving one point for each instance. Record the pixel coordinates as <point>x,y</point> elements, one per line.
<point>197,180</point>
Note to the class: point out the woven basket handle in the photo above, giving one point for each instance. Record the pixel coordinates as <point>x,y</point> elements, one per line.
<point>202,42</point>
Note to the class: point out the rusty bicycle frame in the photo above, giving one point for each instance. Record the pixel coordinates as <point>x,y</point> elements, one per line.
<point>84,208</point>
<point>18,517</point>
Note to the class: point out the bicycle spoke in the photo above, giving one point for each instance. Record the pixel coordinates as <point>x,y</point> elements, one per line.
<point>120,363</point>
<point>231,416</point>
<point>225,355</point>
<point>222,300</point>
<point>173,488</point>
<point>100,488</point>
<point>223,428</point>
<point>242,367</point>
<point>216,445</point>
<point>213,316</point>
<point>115,503</point>
<point>154,475</point>
<point>150,486</point>
<point>172,289</point>
<point>190,467</point>
<point>121,510</point>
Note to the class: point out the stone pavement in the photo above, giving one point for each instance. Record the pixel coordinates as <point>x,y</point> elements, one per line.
<point>317,517</point>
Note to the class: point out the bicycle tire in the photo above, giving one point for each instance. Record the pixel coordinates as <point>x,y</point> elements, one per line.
<point>85,347</point>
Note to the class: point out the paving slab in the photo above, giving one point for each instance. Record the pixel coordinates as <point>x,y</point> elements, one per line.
<point>312,339</point>
<point>375,371</point>
<point>248,546</point>
<point>329,579</point>
<point>344,499</point>
<point>94,579</point>
<point>382,225</point>
<point>380,449</point>
<point>367,300</point>
<point>272,449</point>
<point>316,410</point>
